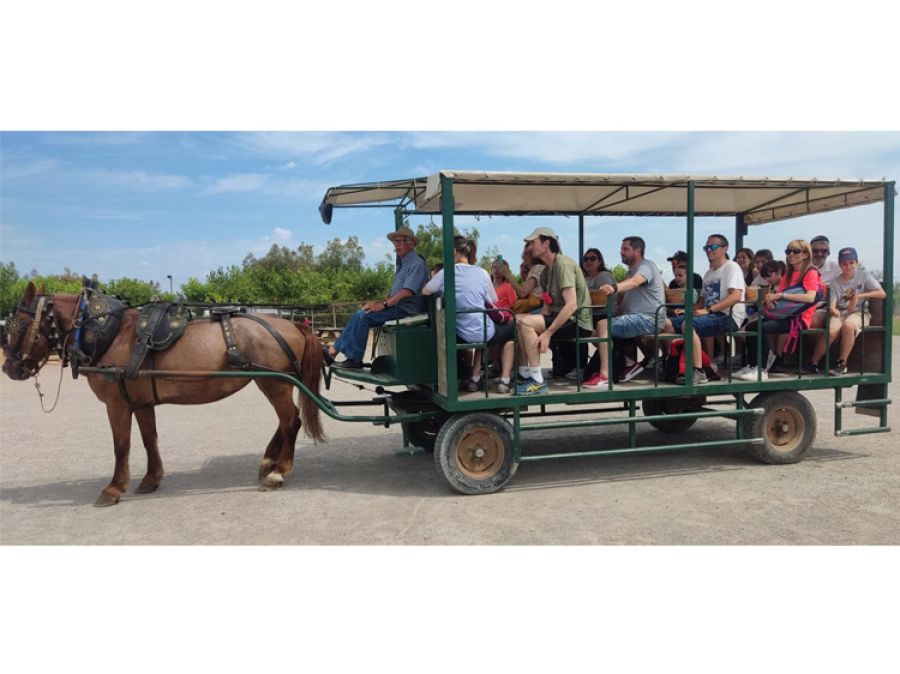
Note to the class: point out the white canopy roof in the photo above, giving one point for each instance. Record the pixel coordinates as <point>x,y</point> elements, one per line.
<point>760,200</point>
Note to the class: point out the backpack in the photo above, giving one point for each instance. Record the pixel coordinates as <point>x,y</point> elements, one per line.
<point>674,366</point>
<point>788,309</point>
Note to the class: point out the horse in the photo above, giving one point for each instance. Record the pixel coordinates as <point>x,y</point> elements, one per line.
<point>43,325</point>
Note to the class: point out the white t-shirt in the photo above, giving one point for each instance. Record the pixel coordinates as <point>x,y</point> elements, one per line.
<point>473,289</point>
<point>829,271</point>
<point>717,283</point>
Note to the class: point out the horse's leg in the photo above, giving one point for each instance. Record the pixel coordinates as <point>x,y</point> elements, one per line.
<point>146,418</point>
<point>120,423</point>
<point>267,465</point>
<point>282,398</point>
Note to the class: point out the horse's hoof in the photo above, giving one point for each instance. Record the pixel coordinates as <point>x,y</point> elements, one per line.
<point>272,482</point>
<point>106,500</point>
<point>265,469</point>
<point>146,487</point>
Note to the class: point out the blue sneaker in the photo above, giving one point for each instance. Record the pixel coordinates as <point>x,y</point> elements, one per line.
<point>529,387</point>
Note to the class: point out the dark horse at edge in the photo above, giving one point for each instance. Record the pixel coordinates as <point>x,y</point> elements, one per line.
<point>44,324</point>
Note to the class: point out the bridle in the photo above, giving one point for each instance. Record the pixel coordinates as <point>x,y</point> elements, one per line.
<point>44,323</point>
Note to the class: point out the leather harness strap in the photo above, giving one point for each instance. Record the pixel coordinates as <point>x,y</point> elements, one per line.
<point>288,351</point>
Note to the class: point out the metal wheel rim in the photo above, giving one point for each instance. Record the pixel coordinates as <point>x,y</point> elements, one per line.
<point>480,453</point>
<point>785,428</point>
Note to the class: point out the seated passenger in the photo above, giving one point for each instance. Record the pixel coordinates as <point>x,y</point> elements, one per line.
<point>474,290</point>
<point>506,295</point>
<point>847,310</point>
<point>402,301</point>
<point>566,289</point>
<point>744,258</point>
<point>680,258</point>
<point>800,286</point>
<point>529,290</point>
<point>642,293</point>
<point>722,309</point>
<point>763,256</point>
<point>770,274</point>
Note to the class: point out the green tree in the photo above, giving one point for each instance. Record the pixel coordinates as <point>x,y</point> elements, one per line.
<point>619,272</point>
<point>9,277</point>
<point>133,291</point>
<point>431,244</point>
<point>340,255</point>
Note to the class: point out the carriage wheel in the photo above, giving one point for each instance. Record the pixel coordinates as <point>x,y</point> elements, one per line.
<point>654,406</point>
<point>474,453</point>
<point>787,427</point>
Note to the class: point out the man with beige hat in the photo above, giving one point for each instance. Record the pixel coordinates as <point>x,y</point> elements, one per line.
<point>565,291</point>
<point>404,300</point>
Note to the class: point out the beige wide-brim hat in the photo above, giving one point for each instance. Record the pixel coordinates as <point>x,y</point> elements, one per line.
<point>403,231</point>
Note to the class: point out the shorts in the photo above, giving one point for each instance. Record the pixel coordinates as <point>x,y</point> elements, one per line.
<point>856,320</point>
<point>568,330</point>
<point>632,325</point>
<point>708,325</point>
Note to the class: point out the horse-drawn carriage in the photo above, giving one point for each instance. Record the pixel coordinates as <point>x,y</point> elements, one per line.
<point>476,437</point>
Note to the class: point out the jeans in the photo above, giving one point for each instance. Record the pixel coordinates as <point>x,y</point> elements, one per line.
<point>353,339</point>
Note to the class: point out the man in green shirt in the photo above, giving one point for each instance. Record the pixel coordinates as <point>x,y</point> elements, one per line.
<point>565,291</point>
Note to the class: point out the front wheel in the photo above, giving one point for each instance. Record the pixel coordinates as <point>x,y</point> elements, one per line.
<point>474,453</point>
<point>787,427</point>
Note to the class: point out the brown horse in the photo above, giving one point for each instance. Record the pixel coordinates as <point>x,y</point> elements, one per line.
<point>45,324</point>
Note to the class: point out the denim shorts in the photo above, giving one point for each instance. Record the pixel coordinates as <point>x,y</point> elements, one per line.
<point>632,325</point>
<point>708,325</point>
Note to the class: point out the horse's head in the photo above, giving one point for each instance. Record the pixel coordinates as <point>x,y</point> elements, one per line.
<point>31,334</point>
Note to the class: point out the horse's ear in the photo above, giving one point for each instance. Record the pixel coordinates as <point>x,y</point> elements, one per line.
<point>30,292</point>
<point>43,289</point>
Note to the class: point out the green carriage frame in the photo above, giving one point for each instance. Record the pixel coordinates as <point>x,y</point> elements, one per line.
<point>776,424</point>
<point>476,438</point>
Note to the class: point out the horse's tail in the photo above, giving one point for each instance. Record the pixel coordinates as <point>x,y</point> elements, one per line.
<point>311,365</point>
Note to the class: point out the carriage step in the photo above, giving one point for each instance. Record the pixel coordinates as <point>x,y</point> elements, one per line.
<point>863,431</point>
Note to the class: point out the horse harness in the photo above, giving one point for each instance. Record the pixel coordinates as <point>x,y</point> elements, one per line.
<point>95,325</point>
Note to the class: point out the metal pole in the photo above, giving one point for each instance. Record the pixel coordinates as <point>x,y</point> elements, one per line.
<point>688,329</point>
<point>169,276</point>
<point>447,207</point>
<point>888,273</point>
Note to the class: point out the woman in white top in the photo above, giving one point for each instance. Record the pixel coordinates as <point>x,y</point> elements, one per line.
<point>474,290</point>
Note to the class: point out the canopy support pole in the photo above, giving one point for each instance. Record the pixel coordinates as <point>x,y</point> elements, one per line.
<point>447,208</point>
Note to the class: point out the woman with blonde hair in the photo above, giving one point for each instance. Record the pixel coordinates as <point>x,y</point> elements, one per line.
<point>793,301</point>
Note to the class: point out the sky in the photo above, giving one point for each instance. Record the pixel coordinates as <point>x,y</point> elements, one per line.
<point>152,204</point>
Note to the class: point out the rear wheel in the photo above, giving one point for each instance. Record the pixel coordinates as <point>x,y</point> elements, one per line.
<point>474,453</point>
<point>787,427</point>
<point>655,407</point>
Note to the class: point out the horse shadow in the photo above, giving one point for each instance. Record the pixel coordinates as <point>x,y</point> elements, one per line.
<point>384,470</point>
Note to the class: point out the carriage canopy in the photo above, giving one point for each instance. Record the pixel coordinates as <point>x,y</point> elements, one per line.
<point>758,200</point>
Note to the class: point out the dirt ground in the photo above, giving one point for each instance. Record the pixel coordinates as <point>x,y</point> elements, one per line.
<point>356,489</point>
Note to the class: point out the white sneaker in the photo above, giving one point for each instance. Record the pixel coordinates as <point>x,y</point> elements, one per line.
<point>739,374</point>
<point>751,375</point>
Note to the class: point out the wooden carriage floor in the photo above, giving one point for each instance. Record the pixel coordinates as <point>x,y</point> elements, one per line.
<point>560,386</point>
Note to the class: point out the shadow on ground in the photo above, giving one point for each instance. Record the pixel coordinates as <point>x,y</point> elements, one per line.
<point>379,471</point>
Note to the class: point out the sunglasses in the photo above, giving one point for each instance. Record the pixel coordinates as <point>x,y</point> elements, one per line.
<point>590,258</point>
<point>713,247</point>
<point>793,251</point>
<point>820,252</point>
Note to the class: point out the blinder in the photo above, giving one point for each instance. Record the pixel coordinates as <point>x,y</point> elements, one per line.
<point>23,335</point>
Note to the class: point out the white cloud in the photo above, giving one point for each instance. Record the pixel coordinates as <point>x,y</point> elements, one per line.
<point>11,172</point>
<point>279,234</point>
<point>316,147</point>
<point>243,182</point>
<point>288,166</point>
<point>142,181</point>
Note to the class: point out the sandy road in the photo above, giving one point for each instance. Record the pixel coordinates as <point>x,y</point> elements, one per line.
<point>354,489</point>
